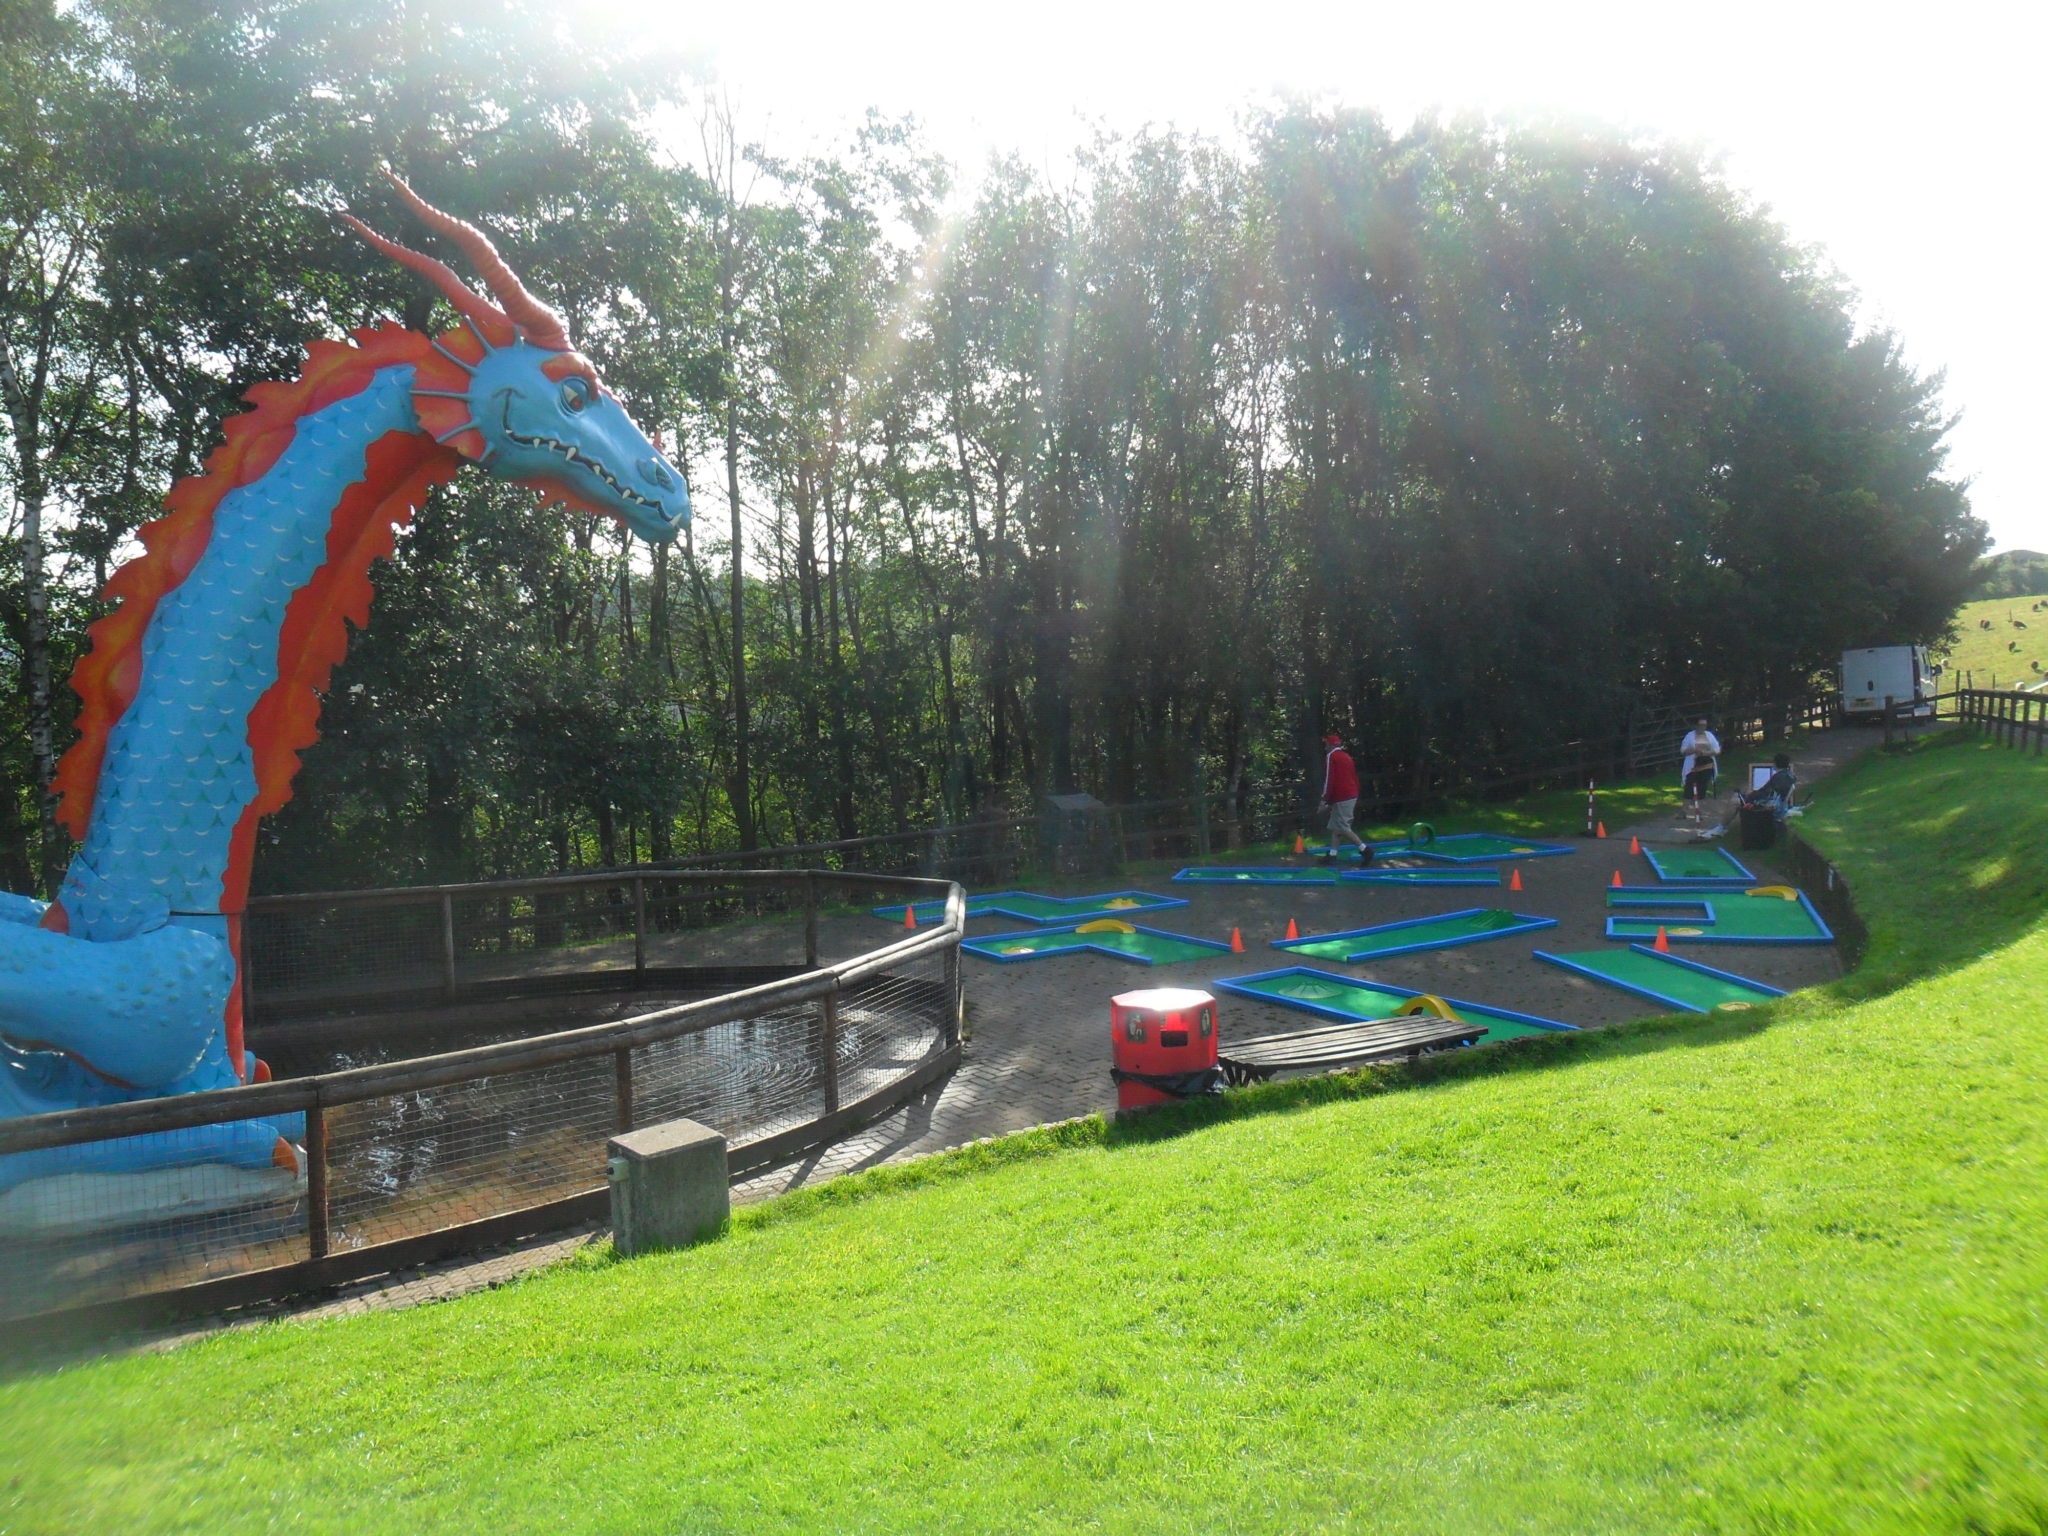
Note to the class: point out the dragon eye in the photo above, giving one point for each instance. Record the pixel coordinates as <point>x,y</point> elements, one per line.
<point>575,394</point>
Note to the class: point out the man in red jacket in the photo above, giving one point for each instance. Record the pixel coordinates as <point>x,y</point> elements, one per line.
<point>1340,796</point>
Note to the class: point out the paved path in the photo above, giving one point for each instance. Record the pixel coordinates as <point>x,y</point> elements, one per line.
<point>1038,1030</point>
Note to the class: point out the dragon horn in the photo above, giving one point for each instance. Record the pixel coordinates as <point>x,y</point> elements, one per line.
<point>471,304</point>
<point>543,327</point>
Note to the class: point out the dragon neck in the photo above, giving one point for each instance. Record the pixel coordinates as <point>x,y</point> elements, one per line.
<point>203,685</point>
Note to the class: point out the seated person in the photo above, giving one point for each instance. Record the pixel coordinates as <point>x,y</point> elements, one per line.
<point>1775,793</point>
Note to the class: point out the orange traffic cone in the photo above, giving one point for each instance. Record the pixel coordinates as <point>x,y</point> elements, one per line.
<point>909,914</point>
<point>1292,931</point>
<point>1635,844</point>
<point>1300,846</point>
<point>1515,880</point>
<point>1616,881</point>
<point>1663,944</point>
<point>1236,941</point>
<point>1600,829</point>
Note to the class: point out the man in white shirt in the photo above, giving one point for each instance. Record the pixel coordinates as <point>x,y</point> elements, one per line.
<point>1696,774</point>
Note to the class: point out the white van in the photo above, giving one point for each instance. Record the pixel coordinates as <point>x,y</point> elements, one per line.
<point>1878,672</point>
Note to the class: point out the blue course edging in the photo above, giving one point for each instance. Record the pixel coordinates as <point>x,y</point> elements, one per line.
<point>1254,874</point>
<point>1826,935</point>
<point>1531,849</point>
<point>1526,924</point>
<point>1742,878</point>
<point>1667,900</point>
<point>977,946</point>
<point>1241,986</point>
<point>989,906</point>
<point>1655,996</point>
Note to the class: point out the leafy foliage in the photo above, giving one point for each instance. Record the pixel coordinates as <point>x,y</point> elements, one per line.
<point>1460,439</point>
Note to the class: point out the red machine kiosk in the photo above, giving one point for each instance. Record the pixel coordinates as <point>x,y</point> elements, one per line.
<point>1162,1043</point>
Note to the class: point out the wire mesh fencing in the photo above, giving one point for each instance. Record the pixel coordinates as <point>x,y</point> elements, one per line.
<point>769,1038</point>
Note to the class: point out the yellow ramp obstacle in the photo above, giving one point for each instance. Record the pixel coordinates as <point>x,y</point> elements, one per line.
<point>1429,1002</point>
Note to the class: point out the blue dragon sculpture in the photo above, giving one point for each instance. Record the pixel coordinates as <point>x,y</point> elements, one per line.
<point>202,686</point>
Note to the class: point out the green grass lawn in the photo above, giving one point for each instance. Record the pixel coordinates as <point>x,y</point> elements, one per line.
<point>1983,653</point>
<point>1552,815</point>
<point>1945,844</point>
<point>1776,1273</point>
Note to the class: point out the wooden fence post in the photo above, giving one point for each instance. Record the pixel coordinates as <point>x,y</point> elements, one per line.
<point>828,1049</point>
<point>639,936</point>
<point>317,1236</point>
<point>622,1082</point>
<point>448,945</point>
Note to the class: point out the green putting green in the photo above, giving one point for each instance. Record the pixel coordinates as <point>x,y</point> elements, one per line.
<point>1708,863</point>
<point>1223,874</point>
<point>1666,979</point>
<point>1434,874</point>
<point>1738,917</point>
<point>1440,932</point>
<point>1467,845</point>
<point>1156,948</point>
<point>1366,1001</point>
<point>1034,908</point>
<point>1043,908</point>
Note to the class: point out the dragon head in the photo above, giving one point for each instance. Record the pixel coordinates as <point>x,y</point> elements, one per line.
<point>511,392</point>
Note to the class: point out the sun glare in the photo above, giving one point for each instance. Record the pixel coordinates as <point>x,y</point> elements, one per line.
<point>1902,148</point>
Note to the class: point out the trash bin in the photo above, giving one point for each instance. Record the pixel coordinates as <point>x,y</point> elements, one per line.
<point>1163,1045</point>
<point>1759,827</point>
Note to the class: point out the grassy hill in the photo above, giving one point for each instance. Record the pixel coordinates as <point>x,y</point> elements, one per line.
<point>1983,652</point>
<point>1780,1271</point>
<point>2013,573</point>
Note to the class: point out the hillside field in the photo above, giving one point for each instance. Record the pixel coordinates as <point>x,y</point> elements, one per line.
<point>1982,653</point>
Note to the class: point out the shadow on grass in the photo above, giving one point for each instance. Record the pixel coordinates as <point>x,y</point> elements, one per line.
<point>1113,1133</point>
<point>1942,840</point>
<point>1110,1133</point>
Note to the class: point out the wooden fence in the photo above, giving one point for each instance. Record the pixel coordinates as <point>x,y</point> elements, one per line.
<point>2006,716</point>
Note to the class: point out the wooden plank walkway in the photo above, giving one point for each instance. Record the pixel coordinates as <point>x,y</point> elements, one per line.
<point>1337,1045</point>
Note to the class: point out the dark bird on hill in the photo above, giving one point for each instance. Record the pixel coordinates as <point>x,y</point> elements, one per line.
<point>2012,645</point>
<point>1983,623</point>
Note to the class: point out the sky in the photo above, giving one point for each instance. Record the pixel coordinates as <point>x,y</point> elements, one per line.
<point>1904,142</point>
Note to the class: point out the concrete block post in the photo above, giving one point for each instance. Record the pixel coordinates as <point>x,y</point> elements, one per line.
<point>669,1186</point>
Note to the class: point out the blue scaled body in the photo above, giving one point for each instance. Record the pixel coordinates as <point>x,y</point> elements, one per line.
<point>179,773</point>
<point>139,986</point>
<point>125,994</point>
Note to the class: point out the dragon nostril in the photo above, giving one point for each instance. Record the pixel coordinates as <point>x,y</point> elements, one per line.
<point>654,472</point>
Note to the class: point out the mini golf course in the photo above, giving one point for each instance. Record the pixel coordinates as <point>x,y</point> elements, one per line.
<point>1106,936</point>
<point>1246,874</point>
<point>1472,848</point>
<point>1030,907</point>
<point>1331,996</point>
<point>1698,866</point>
<point>1441,931</point>
<point>1682,984</point>
<point>1773,914</point>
